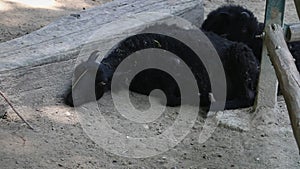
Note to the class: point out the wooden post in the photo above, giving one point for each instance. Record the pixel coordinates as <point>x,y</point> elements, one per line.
<point>287,74</point>
<point>267,87</point>
<point>297,4</point>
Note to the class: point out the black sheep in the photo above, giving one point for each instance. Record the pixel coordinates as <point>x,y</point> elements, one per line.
<point>295,51</point>
<point>235,23</point>
<point>238,24</point>
<point>240,66</point>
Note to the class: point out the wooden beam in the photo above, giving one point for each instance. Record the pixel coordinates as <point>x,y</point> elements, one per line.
<point>287,74</point>
<point>292,32</point>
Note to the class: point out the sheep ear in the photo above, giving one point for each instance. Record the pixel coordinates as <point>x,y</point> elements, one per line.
<point>245,15</point>
<point>93,56</point>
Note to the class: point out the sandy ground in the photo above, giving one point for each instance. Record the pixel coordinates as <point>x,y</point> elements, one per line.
<point>20,17</point>
<point>242,139</point>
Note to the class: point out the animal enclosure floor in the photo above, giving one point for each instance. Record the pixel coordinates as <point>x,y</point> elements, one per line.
<point>60,141</point>
<point>19,17</point>
<point>22,17</point>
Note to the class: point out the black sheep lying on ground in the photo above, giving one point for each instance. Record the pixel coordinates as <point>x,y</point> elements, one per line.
<point>240,66</point>
<point>238,24</point>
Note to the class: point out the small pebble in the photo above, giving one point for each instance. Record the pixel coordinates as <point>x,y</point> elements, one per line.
<point>263,135</point>
<point>161,161</point>
<point>68,113</point>
<point>146,126</point>
<point>159,131</point>
<point>75,15</point>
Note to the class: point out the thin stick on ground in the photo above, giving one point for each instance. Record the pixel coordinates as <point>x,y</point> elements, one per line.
<point>12,107</point>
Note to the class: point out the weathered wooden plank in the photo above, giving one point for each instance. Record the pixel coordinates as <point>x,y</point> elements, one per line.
<point>37,68</point>
<point>268,85</point>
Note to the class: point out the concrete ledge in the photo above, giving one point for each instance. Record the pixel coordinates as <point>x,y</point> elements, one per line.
<point>36,69</point>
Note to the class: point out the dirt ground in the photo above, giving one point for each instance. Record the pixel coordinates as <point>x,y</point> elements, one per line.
<point>241,140</point>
